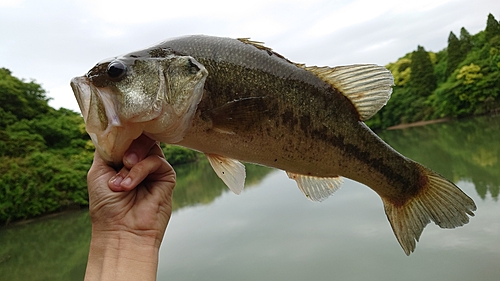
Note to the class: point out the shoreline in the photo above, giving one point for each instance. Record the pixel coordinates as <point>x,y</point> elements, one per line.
<point>417,124</point>
<point>63,211</point>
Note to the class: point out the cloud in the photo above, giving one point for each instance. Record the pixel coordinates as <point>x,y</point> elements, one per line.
<point>53,41</point>
<point>10,3</point>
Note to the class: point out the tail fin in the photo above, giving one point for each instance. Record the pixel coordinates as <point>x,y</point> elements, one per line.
<point>439,200</point>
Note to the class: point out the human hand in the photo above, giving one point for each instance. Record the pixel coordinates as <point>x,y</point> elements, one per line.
<point>137,199</point>
<point>130,210</point>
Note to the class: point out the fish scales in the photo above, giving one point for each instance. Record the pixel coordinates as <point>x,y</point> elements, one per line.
<point>237,100</point>
<point>302,111</point>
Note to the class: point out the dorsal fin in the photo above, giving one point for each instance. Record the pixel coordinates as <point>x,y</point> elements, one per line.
<point>367,86</point>
<point>260,45</point>
<point>257,44</point>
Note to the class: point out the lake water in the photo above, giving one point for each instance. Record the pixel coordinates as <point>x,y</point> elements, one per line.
<point>272,232</point>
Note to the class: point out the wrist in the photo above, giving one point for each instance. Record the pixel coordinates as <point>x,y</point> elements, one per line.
<point>122,255</point>
<point>141,238</point>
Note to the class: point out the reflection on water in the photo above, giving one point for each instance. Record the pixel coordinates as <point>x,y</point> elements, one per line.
<point>49,249</point>
<point>56,248</point>
<point>461,151</point>
<point>271,232</point>
<point>197,183</point>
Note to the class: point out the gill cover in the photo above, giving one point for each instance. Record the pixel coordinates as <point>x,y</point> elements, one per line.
<point>124,97</point>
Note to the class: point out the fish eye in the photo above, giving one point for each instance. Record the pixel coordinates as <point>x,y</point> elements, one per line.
<point>116,69</point>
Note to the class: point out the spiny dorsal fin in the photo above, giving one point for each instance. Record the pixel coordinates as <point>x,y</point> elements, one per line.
<point>316,188</point>
<point>230,171</point>
<point>367,86</point>
<point>260,45</point>
<point>257,44</point>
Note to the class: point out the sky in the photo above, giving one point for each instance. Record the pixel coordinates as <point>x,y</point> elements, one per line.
<point>52,41</point>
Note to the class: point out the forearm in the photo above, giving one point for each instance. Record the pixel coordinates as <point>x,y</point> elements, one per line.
<point>122,256</point>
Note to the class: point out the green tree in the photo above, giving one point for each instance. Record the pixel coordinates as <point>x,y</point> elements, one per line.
<point>461,80</point>
<point>25,100</point>
<point>422,77</point>
<point>465,42</point>
<point>6,118</point>
<point>400,70</point>
<point>492,27</point>
<point>454,53</point>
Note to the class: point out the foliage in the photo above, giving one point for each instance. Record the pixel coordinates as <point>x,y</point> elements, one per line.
<point>492,28</point>
<point>179,155</point>
<point>462,80</point>
<point>21,99</point>
<point>45,153</point>
<point>55,248</point>
<point>401,70</point>
<point>465,150</point>
<point>455,55</point>
<point>422,73</point>
<point>465,41</point>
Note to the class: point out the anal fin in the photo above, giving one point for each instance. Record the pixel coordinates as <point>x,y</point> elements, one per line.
<point>230,171</point>
<point>316,188</point>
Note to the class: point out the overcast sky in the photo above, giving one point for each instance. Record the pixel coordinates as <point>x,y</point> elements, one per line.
<point>53,41</point>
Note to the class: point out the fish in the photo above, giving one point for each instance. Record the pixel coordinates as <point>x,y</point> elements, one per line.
<point>237,100</point>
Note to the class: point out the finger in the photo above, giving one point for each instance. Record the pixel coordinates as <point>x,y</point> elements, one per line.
<point>153,167</point>
<point>156,150</point>
<point>165,172</point>
<point>138,150</point>
<point>115,182</point>
<point>99,169</point>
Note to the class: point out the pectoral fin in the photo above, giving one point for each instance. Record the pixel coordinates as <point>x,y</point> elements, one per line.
<point>230,171</point>
<point>237,115</point>
<point>316,188</point>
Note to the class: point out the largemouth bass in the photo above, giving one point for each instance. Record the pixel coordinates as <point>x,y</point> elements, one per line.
<point>237,100</point>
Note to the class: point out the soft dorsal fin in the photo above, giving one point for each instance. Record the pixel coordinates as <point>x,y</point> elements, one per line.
<point>367,86</point>
<point>230,171</point>
<point>316,188</point>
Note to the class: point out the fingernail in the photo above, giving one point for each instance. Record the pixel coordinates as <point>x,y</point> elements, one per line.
<point>126,182</point>
<point>116,180</point>
<point>132,158</point>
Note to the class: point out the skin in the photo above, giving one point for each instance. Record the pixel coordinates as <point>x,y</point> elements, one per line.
<point>130,210</point>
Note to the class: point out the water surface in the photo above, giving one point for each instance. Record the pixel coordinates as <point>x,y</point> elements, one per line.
<point>271,232</point>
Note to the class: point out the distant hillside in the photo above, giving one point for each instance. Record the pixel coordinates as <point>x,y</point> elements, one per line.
<point>461,80</point>
<point>45,153</point>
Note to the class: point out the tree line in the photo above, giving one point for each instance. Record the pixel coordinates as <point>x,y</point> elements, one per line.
<point>45,153</point>
<point>459,81</point>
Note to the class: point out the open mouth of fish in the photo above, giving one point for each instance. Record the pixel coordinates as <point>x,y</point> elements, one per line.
<point>110,135</point>
<point>155,97</point>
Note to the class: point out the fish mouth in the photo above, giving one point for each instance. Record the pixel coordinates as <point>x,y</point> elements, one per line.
<point>102,121</point>
<point>81,89</point>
